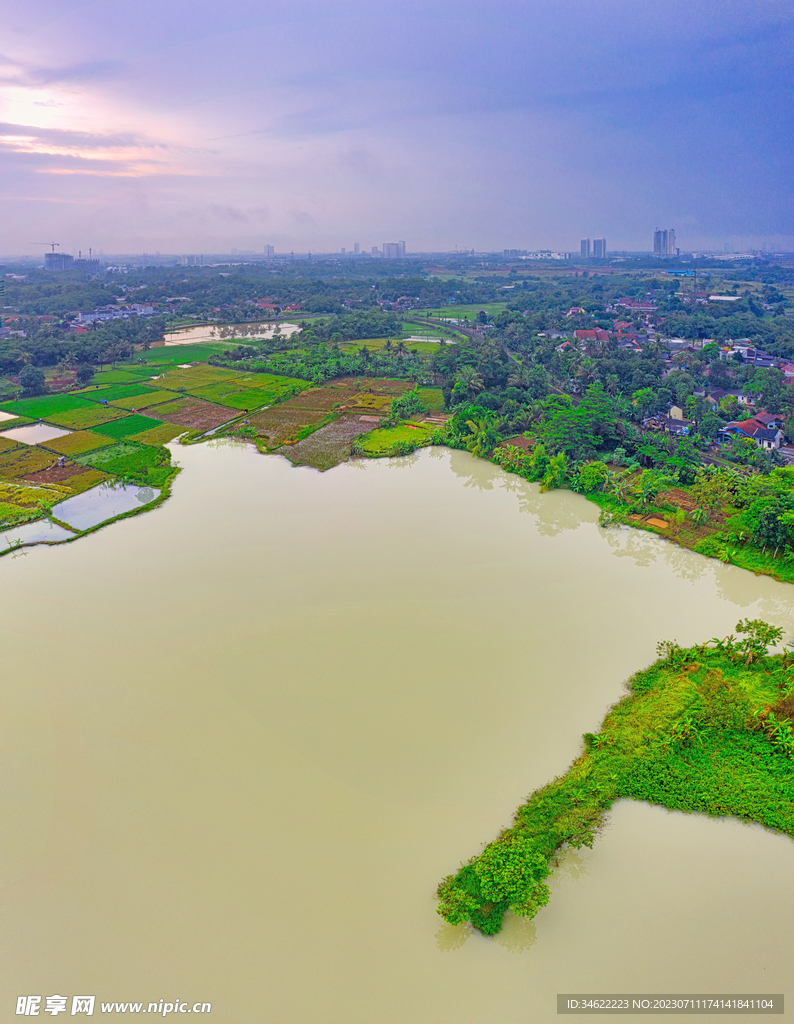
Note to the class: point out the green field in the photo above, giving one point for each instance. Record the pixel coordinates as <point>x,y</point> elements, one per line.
<point>134,424</point>
<point>158,435</point>
<point>147,397</point>
<point>114,392</point>
<point>492,308</point>
<point>195,377</point>
<point>91,415</point>
<point>121,376</point>
<point>433,399</point>
<point>129,459</point>
<point>7,443</point>
<point>390,440</point>
<point>173,355</point>
<point>44,406</point>
<point>76,443</point>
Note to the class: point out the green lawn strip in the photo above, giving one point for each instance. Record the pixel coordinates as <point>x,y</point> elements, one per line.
<point>91,416</point>
<point>132,424</point>
<point>44,407</point>
<point>694,734</point>
<point>76,443</point>
<point>145,463</point>
<point>399,440</point>
<point>158,435</point>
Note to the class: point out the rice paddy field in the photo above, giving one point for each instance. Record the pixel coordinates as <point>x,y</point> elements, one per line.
<point>388,440</point>
<point>119,424</point>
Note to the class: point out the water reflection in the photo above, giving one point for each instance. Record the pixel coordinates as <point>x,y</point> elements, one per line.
<point>517,935</point>
<point>453,936</point>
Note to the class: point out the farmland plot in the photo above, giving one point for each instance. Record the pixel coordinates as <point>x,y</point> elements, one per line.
<point>192,413</point>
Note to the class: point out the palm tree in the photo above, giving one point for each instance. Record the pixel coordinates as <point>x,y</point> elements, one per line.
<point>520,379</point>
<point>401,349</point>
<point>470,378</point>
<point>388,346</point>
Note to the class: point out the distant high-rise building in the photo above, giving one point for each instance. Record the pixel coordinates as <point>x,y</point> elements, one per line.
<point>600,248</point>
<point>356,248</point>
<point>58,261</point>
<point>584,248</point>
<point>394,250</point>
<point>375,251</point>
<point>269,252</point>
<point>343,250</point>
<point>664,242</point>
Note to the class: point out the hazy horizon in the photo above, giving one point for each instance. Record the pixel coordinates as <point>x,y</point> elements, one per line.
<point>311,126</point>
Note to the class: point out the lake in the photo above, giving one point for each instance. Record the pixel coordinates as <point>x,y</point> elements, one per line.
<point>244,735</point>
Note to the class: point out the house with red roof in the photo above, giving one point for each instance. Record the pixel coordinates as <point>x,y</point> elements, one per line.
<point>765,428</point>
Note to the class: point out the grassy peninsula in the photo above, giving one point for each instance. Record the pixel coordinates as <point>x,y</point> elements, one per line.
<point>706,730</point>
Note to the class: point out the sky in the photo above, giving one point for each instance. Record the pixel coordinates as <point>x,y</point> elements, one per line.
<point>184,126</point>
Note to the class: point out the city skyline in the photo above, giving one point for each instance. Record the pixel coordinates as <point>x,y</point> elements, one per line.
<point>461,126</point>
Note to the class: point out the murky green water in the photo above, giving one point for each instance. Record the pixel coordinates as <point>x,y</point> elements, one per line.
<point>244,735</point>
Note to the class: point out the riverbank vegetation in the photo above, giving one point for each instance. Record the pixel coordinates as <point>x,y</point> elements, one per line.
<point>707,729</point>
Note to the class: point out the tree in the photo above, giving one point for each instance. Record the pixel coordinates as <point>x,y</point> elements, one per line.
<point>645,402</point>
<point>32,381</point>
<point>470,379</point>
<point>593,476</point>
<point>85,373</point>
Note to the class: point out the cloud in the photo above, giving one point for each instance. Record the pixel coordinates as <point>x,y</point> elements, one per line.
<point>485,123</point>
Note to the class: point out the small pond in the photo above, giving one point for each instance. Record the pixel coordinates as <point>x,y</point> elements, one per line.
<point>227,332</point>
<point>103,503</point>
<point>32,533</point>
<point>35,433</point>
<point>7,415</point>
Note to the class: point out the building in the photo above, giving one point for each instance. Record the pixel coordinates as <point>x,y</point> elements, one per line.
<point>600,248</point>
<point>394,250</point>
<point>356,248</point>
<point>270,252</point>
<point>513,254</point>
<point>664,242</point>
<point>90,266</point>
<point>764,428</point>
<point>584,248</point>
<point>58,261</point>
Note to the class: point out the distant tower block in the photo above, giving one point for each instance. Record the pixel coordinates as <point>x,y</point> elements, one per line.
<point>584,248</point>
<point>664,242</point>
<point>600,248</point>
<point>356,248</point>
<point>269,252</point>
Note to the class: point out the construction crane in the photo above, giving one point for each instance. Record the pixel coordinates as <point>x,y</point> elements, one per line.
<point>53,244</point>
